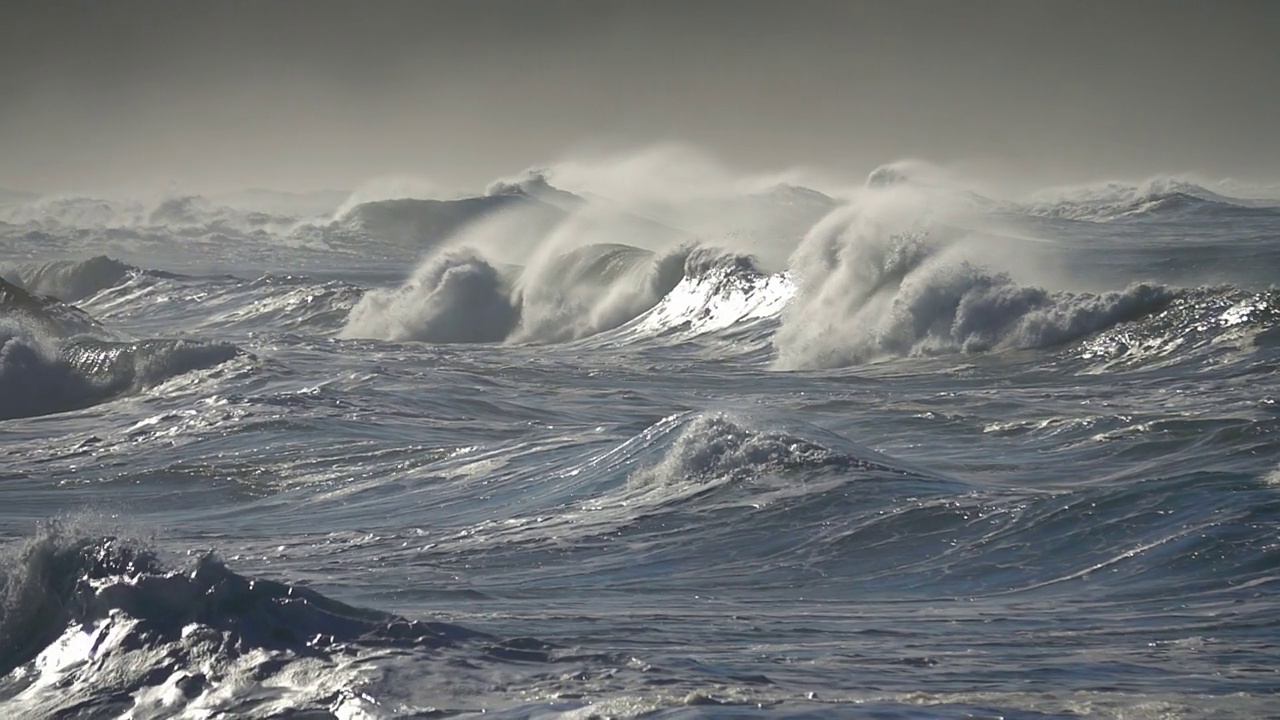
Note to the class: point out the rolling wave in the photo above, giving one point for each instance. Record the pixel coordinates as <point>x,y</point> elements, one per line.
<point>41,377</point>
<point>116,631</point>
<point>55,358</point>
<point>1200,325</point>
<point>750,502</point>
<point>458,296</point>
<point>71,280</point>
<point>880,279</point>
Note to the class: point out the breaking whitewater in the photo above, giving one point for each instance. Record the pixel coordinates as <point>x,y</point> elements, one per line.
<point>619,442</point>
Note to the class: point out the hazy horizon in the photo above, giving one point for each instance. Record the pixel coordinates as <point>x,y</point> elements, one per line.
<point>304,96</point>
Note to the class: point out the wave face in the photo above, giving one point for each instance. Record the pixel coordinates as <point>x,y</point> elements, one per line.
<point>72,280</point>
<point>640,438</point>
<point>39,376</point>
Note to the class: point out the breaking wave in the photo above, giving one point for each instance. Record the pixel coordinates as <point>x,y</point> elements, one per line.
<point>71,280</point>
<point>1199,325</point>
<point>887,276</point>
<point>459,297</point>
<point>116,631</point>
<point>39,376</point>
<point>55,358</point>
<point>456,297</point>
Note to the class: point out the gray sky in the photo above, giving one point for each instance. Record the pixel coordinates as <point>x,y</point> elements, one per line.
<point>316,94</point>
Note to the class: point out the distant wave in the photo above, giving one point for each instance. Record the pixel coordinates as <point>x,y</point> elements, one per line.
<point>184,215</point>
<point>1156,198</point>
<point>426,223</point>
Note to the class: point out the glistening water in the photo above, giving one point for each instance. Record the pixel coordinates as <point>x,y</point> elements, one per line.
<point>909,452</point>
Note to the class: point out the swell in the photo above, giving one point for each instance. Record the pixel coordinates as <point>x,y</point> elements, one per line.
<point>742,502</point>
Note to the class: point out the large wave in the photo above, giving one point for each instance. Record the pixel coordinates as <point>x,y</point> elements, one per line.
<point>516,278</point>
<point>40,376</point>
<point>459,297</point>
<point>117,632</point>
<point>71,280</point>
<point>55,358</point>
<point>888,276</point>
<point>455,297</point>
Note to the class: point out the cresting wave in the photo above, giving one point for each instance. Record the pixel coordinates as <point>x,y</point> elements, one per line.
<point>104,621</point>
<point>458,296</point>
<point>899,269</point>
<point>55,358</point>
<point>886,273</point>
<point>744,500</point>
<point>889,275</point>
<point>70,280</point>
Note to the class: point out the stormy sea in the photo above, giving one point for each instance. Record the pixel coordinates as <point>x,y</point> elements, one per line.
<point>568,447</point>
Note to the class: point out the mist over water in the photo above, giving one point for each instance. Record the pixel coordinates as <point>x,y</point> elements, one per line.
<point>638,435</point>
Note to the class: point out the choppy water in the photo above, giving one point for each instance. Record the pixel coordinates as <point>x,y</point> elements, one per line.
<point>925,455</point>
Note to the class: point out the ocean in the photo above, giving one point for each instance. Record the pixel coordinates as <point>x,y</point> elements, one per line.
<point>905,450</point>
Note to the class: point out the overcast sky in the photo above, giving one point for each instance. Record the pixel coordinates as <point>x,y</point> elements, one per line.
<point>317,94</point>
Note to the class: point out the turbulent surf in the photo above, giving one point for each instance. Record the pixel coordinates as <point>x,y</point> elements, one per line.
<point>576,447</point>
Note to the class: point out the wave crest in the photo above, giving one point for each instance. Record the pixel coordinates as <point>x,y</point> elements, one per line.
<point>72,280</point>
<point>460,297</point>
<point>42,371</point>
<point>456,297</point>
<point>884,278</point>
